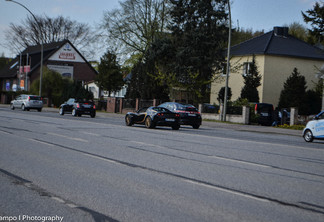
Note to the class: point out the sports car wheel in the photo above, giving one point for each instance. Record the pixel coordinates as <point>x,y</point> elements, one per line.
<point>176,127</point>
<point>61,111</point>
<point>12,106</point>
<point>149,123</point>
<point>196,126</point>
<point>23,108</point>
<point>308,136</point>
<point>74,112</point>
<point>128,121</point>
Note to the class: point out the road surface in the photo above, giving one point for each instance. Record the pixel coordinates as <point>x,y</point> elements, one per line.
<point>84,169</point>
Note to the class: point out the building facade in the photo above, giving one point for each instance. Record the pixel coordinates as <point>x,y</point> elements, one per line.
<point>276,55</point>
<point>61,57</point>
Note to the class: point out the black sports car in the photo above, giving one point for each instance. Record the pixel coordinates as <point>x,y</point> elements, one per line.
<point>153,116</point>
<point>78,107</point>
<point>189,115</point>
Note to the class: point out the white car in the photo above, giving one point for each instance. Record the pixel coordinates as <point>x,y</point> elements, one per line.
<point>314,128</point>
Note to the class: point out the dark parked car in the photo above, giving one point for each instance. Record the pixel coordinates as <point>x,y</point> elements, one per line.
<point>209,108</point>
<point>153,116</point>
<point>27,102</point>
<point>78,107</point>
<point>189,115</point>
<point>265,112</point>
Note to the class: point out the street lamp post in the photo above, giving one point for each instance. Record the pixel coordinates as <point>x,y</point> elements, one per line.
<point>42,48</point>
<point>228,60</point>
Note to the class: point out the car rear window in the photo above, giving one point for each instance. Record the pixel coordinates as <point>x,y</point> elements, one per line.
<point>34,98</point>
<point>161,109</point>
<point>187,108</point>
<point>83,101</point>
<point>264,107</point>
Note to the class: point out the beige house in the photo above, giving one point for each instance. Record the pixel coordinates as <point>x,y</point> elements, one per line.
<point>276,54</point>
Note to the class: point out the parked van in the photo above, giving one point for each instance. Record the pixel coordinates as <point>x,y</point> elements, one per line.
<point>265,113</point>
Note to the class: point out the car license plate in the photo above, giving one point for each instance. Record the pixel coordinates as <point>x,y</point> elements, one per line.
<point>87,106</point>
<point>264,114</point>
<point>169,120</point>
<point>191,114</point>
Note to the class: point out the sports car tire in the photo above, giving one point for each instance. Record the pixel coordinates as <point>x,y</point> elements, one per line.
<point>149,123</point>
<point>23,108</point>
<point>128,121</point>
<point>74,112</point>
<point>12,106</point>
<point>308,136</point>
<point>196,126</point>
<point>176,127</point>
<point>61,111</point>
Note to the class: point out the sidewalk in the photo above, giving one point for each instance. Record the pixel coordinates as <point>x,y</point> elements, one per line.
<point>253,128</point>
<point>211,124</point>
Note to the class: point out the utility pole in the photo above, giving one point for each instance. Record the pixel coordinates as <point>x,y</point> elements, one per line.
<point>228,60</point>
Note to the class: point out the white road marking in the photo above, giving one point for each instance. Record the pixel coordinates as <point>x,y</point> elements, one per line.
<point>92,134</point>
<point>215,157</point>
<point>240,161</point>
<point>72,205</point>
<point>5,132</point>
<point>58,199</point>
<point>194,182</point>
<point>37,141</point>
<point>227,191</point>
<point>100,158</point>
<point>68,137</point>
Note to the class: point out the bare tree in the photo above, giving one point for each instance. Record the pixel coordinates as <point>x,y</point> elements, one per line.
<point>31,32</point>
<point>133,26</point>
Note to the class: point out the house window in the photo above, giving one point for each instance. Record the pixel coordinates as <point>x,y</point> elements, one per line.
<point>247,68</point>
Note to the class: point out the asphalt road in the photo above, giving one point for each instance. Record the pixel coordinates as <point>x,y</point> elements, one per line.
<point>85,169</point>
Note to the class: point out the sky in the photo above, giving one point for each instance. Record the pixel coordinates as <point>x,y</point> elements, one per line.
<point>248,14</point>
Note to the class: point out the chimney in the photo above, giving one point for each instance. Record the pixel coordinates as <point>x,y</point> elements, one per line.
<point>281,31</point>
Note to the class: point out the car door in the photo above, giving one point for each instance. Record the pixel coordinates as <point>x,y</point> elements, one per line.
<point>141,114</point>
<point>318,130</point>
<point>69,105</point>
<point>16,101</point>
<point>20,100</point>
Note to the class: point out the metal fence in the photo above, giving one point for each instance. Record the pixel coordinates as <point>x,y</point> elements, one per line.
<point>145,103</point>
<point>129,103</point>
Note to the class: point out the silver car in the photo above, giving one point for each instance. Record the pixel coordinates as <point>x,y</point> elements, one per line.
<point>27,102</point>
